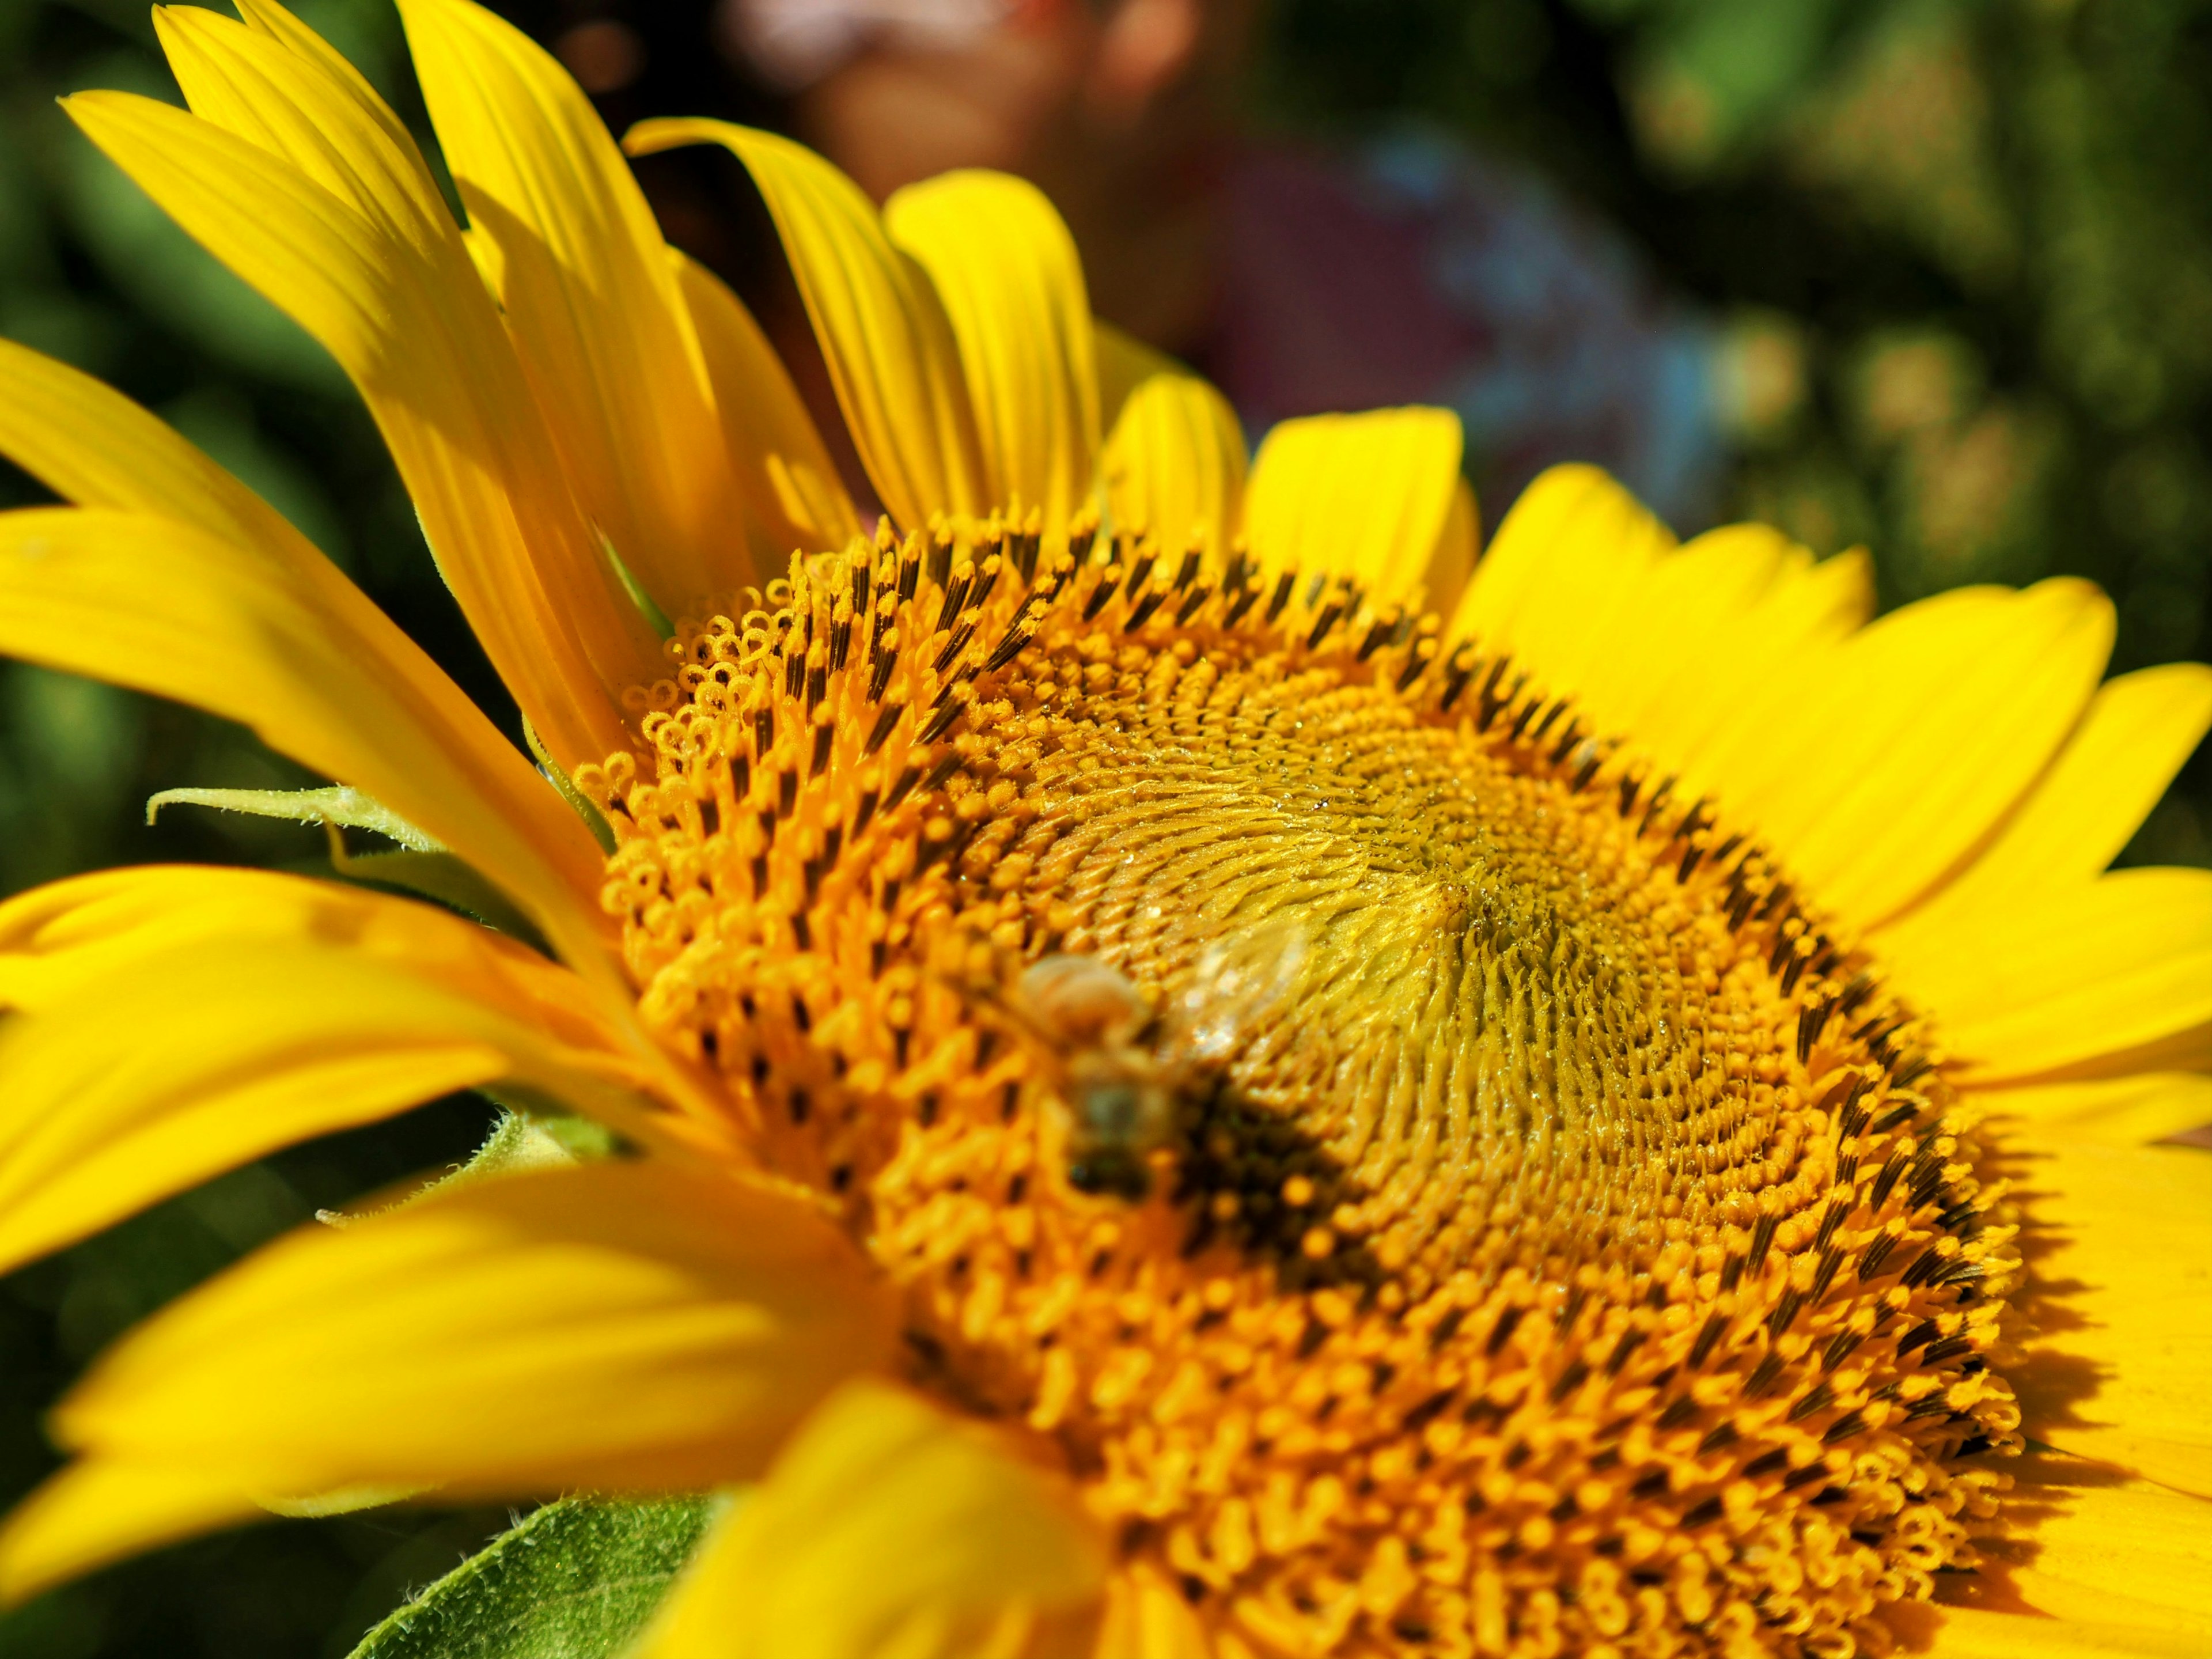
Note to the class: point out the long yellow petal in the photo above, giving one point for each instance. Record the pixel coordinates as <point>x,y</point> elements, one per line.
<point>789,482</point>
<point>2119,1290</point>
<point>241,1046</point>
<point>453,773</point>
<point>2094,970</point>
<point>419,337</point>
<point>160,607</point>
<point>1174,462</point>
<point>95,1513</point>
<point>1719,712</point>
<point>2130,1561</point>
<point>2138,731</point>
<point>1658,626</point>
<point>589,295</point>
<point>1006,268</point>
<point>1950,1633</point>
<point>1451,566</point>
<point>1125,362</point>
<point>1363,495</point>
<point>888,1530</point>
<point>885,335</point>
<point>1147,1616</point>
<point>614,1327</point>
<point>1917,736</point>
<point>2132,1111</point>
<point>1568,552</point>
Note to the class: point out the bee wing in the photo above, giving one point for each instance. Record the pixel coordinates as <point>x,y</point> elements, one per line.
<point>1079,999</point>
<point>1243,988</point>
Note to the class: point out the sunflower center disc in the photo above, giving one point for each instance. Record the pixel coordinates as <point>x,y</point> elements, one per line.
<point>1548,1239</point>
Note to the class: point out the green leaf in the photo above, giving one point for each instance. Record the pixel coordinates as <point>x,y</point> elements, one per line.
<point>577,1580</point>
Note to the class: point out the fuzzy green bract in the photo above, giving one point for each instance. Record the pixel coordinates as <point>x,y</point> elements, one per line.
<point>577,1580</point>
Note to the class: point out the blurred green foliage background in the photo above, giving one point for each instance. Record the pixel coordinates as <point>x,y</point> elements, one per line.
<point>1963,249</point>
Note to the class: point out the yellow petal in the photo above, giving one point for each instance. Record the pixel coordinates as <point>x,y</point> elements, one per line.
<point>885,335</point>
<point>447,767</point>
<point>1363,496</point>
<point>2132,1111</point>
<point>263,1010</point>
<point>1174,462</point>
<point>2138,731</point>
<point>95,1513</point>
<point>1125,362</point>
<point>1674,621</point>
<point>236,1050</point>
<point>271,81</point>
<point>789,483</point>
<point>1147,1616</point>
<point>160,607</point>
<point>614,1327</point>
<point>2129,1562</point>
<point>1974,1633</point>
<point>887,1530</point>
<point>1006,269</point>
<point>1717,718</point>
<point>1569,552</point>
<point>1914,738</point>
<point>419,335</point>
<point>2093,970</point>
<point>1452,565</point>
<point>2119,1289</point>
<point>590,297</point>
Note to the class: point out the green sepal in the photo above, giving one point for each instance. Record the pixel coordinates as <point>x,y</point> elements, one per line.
<point>578,1580</point>
<point>335,805</point>
<point>655,617</point>
<point>579,803</point>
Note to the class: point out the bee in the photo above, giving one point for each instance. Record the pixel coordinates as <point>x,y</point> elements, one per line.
<point>1130,1078</point>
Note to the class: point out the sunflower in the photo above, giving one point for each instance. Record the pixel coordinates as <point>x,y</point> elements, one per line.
<point>1186,1069</point>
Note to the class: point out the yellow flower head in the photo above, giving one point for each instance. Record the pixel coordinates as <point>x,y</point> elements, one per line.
<point>1197,1073</point>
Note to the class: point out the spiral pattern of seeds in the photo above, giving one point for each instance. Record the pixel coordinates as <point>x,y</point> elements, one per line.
<point>1586,1256</point>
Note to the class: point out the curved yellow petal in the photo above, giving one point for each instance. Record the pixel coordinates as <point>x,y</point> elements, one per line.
<point>2119,1295</point>
<point>1568,553</point>
<point>1952,1632</point>
<point>1174,462</point>
<point>452,772</point>
<point>415,331</point>
<point>1006,268</point>
<point>2095,969</point>
<point>2132,1111</point>
<point>614,1327</point>
<point>272,80</point>
<point>1363,496</point>
<point>598,316</point>
<point>889,1530</point>
<point>789,482</point>
<point>2116,1566</point>
<point>885,335</point>
<point>1125,362</point>
<point>62,940</point>
<point>1148,1617</point>
<point>1917,735</point>
<point>241,1045</point>
<point>1665,625</point>
<point>1451,567</point>
<point>1720,715</point>
<point>2137,732</point>
<point>161,607</point>
<point>95,1513</point>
